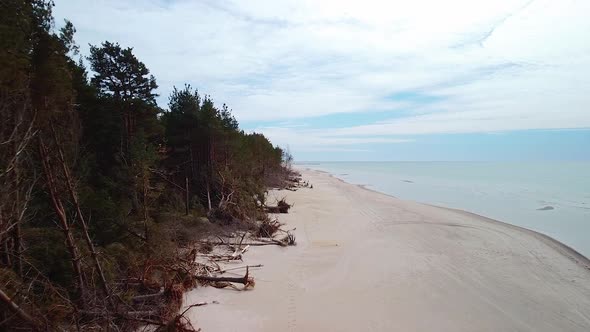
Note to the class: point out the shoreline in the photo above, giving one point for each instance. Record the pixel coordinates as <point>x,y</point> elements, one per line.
<point>367,261</point>
<point>566,250</point>
<point>557,245</point>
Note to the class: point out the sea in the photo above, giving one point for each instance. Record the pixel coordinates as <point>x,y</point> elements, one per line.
<point>552,198</point>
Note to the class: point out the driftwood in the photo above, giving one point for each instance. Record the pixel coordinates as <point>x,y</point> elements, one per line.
<point>148,297</point>
<point>273,243</point>
<point>245,280</point>
<point>176,325</point>
<point>288,240</point>
<point>239,280</point>
<point>223,258</point>
<point>154,307</point>
<point>143,313</point>
<point>261,240</point>
<point>268,228</point>
<point>294,183</point>
<point>238,268</point>
<point>144,307</point>
<point>155,314</point>
<point>281,207</point>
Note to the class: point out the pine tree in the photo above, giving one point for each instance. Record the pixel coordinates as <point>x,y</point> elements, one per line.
<point>127,80</point>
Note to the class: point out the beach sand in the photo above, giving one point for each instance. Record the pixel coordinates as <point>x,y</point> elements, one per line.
<point>365,261</point>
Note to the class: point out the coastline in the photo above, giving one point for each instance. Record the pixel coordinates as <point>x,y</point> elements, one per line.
<point>367,261</point>
<point>565,249</point>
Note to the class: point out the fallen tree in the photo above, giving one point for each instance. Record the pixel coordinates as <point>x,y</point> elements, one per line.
<point>246,280</point>
<point>281,207</point>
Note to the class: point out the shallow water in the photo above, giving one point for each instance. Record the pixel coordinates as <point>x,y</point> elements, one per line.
<point>549,197</point>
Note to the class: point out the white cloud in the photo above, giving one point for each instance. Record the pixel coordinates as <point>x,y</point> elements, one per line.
<point>302,139</point>
<point>496,65</point>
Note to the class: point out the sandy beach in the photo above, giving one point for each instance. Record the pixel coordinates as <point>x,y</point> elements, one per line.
<point>365,261</point>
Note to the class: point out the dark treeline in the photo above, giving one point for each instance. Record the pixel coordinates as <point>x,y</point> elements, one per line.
<point>96,180</point>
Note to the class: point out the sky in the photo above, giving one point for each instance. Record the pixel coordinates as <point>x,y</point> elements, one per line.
<point>338,80</point>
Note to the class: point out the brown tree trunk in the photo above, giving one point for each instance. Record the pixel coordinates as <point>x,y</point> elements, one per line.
<point>208,196</point>
<point>192,160</point>
<point>74,198</point>
<point>145,187</point>
<point>18,249</point>
<point>4,298</point>
<point>245,280</point>
<point>18,213</point>
<point>186,195</point>
<point>61,215</point>
<point>127,130</point>
<point>6,250</point>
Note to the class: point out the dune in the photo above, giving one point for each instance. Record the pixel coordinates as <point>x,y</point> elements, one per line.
<point>365,261</point>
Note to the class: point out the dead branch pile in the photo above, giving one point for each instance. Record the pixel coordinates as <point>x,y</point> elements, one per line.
<point>265,235</point>
<point>268,228</point>
<point>157,296</point>
<point>288,240</point>
<point>154,299</point>
<point>281,207</point>
<point>288,180</point>
<point>295,182</point>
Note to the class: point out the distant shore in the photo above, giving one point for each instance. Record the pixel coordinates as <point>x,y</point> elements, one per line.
<point>369,261</point>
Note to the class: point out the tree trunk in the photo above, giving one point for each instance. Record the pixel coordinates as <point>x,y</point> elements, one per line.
<point>245,280</point>
<point>18,249</point>
<point>186,195</point>
<point>61,215</point>
<point>126,129</point>
<point>208,196</point>
<point>74,198</point>
<point>6,249</point>
<point>4,298</point>
<point>145,187</point>
<point>192,156</point>
<point>18,213</point>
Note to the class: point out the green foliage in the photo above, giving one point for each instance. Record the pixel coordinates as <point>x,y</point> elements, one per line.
<point>121,74</point>
<point>47,252</point>
<point>225,166</point>
<point>66,35</point>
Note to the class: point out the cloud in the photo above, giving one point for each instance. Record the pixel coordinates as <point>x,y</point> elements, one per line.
<point>304,140</point>
<point>489,66</point>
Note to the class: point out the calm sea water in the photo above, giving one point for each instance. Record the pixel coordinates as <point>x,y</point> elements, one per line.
<point>549,197</point>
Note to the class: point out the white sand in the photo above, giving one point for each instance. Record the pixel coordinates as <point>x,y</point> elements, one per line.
<point>370,262</point>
